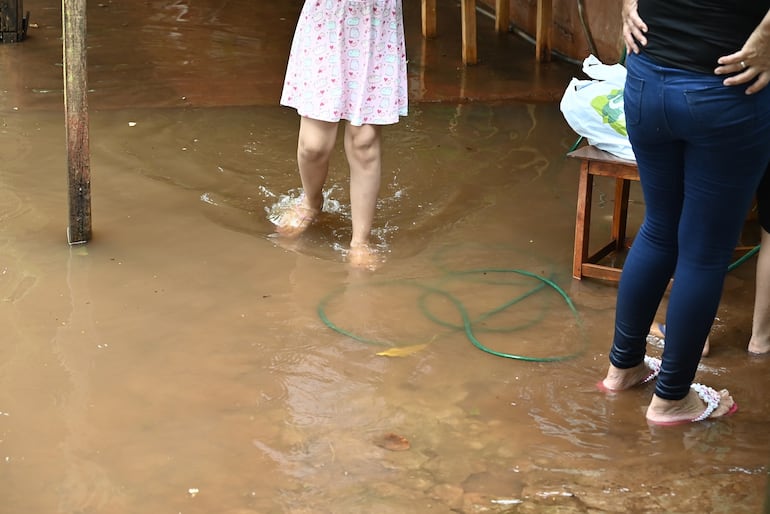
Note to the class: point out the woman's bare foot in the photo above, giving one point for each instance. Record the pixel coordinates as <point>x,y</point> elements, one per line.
<point>296,219</point>
<point>363,256</point>
<point>701,402</point>
<point>618,379</point>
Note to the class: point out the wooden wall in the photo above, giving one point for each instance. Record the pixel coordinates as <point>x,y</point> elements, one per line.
<point>602,19</point>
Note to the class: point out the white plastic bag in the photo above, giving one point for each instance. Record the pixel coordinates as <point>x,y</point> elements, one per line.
<point>594,108</point>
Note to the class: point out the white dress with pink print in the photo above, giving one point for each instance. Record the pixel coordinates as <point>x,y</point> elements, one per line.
<point>348,61</point>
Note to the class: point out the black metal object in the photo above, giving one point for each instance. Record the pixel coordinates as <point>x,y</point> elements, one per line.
<point>13,25</point>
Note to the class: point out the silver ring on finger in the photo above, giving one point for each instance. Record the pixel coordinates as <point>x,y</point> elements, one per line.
<point>743,65</point>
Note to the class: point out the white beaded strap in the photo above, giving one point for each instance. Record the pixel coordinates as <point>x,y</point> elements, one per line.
<point>654,364</point>
<point>710,396</point>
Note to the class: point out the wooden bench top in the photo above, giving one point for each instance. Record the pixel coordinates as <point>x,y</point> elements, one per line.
<point>591,153</point>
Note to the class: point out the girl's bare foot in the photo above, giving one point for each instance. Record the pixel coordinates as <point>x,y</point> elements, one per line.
<point>701,402</point>
<point>659,330</point>
<point>363,256</point>
<point>758,346</point>
<point>618,379</point>
<point>296,219</point>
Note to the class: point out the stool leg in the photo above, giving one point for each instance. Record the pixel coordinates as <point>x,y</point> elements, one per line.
<point>582,220</point>
<point>620,213</point>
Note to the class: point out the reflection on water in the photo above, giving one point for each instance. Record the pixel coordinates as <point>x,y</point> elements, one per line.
<point>86,484</point>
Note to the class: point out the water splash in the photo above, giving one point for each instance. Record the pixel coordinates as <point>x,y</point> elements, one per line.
<point>293,198</point>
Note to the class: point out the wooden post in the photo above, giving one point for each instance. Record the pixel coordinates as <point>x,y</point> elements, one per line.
<point>76,113</point>
<point>543,35</point>
<point>502,15</point>
<point>470,55</point>
<point>428,18</point>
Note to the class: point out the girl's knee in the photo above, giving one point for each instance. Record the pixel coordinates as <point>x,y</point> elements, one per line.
<point>313,150</point>
<point>363,138</point>
<point>316,139</point>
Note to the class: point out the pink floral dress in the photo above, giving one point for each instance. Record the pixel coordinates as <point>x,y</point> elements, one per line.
<point>348,61</point>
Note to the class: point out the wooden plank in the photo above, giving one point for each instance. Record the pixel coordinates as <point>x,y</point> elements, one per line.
<point>543,34</point>
<point>502,15</point>
<point>76,115</point>
<point>593,153</point>
<point>615,171</point>
<point>602,272</point>
<point>428,18</point>
<point>607,165</point>
<point>470,54</point>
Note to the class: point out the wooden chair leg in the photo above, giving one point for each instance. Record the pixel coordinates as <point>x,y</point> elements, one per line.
<point>428,18</point>
<point>582,220</point>
<point>469,31</point>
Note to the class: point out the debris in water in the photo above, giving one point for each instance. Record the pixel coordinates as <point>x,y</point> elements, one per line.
<point>392,442</point>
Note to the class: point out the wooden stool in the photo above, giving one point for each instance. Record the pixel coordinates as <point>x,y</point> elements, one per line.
<point>502,19</point>
<point>595,162</point>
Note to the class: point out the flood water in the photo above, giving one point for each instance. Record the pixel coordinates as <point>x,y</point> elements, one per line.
<point>186,361</point>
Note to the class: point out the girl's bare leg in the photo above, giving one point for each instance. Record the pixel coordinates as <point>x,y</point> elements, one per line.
<point>314,147</point>
<point>658,330</point>
<point>760,329</point>
<point>363,150</point>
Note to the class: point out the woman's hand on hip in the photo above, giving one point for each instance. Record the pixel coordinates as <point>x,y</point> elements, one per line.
<point>750,63</point>
<point>634,27</point>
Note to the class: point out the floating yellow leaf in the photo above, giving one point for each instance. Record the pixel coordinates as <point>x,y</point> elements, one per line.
<point>402,351</point>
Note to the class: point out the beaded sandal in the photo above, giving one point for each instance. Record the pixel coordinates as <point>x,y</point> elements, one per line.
<point>711,397</point>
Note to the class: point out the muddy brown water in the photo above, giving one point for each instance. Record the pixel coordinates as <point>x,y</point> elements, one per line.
<point>185,361</point>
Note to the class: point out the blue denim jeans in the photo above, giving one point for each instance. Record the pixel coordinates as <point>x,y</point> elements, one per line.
<point>701,149</point>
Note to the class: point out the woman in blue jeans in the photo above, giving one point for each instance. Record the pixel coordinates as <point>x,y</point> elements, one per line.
<point>702,144</point>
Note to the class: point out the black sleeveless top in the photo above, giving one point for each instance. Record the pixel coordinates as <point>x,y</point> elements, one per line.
<point>693,34</point>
